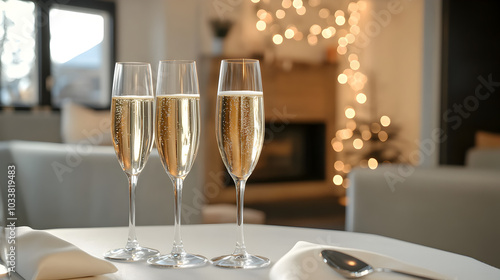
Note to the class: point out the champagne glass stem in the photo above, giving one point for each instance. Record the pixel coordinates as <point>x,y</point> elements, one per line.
<point>178,249</point>
<point>132,238</point>
<point>240,194</point>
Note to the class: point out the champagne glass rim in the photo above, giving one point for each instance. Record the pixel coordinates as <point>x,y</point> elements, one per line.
<point>241,60</point>
<point>178,61</point>
<point>138,63</point>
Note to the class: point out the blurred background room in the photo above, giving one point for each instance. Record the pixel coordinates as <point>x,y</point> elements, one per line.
<point>347,85</point>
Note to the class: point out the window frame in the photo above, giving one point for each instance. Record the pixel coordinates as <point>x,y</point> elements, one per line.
<point>42,46</point>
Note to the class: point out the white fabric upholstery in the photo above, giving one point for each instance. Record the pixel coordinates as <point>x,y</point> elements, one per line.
<point>226,213</point>
<point>485,158</point>
<point>80,124</point>
<point>450,208</point>
<point>63,185</point>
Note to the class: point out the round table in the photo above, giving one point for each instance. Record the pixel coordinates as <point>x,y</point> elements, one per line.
<point>212,240</point>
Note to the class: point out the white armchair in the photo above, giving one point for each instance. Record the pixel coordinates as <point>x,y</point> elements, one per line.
<point>455,209</point>
<point>71,185</point>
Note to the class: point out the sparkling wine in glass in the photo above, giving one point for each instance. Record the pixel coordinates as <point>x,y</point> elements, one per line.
<point>132,128</point>
<point>240,136</point>
<point>177,136</point>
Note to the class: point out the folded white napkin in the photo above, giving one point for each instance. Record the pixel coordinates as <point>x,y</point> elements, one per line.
<point>40,255</point>
<point>304,261</point>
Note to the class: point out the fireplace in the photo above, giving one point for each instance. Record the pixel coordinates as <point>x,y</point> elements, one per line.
<point>296,163</point>
<point>291,152</point>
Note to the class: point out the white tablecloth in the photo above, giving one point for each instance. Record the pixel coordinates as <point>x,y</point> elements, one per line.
<point>270,241</point>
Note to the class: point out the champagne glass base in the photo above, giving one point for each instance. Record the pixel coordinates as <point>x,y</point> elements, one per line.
<point>241,261</point>
<point>131,254</point>
<point>178,261</point>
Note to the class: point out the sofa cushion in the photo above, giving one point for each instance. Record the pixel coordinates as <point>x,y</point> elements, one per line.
<point>82,125</point>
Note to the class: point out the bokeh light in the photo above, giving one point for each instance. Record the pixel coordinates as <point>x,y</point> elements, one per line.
<point>277,39</point>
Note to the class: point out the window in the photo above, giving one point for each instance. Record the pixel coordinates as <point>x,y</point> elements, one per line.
<point>52,50</point>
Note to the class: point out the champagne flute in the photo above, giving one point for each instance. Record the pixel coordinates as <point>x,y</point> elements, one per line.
<point>177,136</point>
<point>132,128</point>
<point>240,136</point>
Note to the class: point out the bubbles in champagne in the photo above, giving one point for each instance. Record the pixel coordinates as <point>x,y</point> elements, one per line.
<point>240,127</point>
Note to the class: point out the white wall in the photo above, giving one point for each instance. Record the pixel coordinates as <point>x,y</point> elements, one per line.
<point>154,30</point>
<point>401,59</point>
<point>431,78</point>
<point>404,72</point>
<point>393,55</point>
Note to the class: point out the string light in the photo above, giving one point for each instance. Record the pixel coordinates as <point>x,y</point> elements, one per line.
<point>324,13</point>
<point>315,29</point>
<point>286,4</point>
<point>337,146</point>
<point>372,163</point>
<point>314,3</point>
<point>385,121</point>
<point>354,65</point>
<point>355,29</point>
<point>350,113</point>
<point>312,39</point>
<point>338,165</point>
<point>357,144</point>
<point>352,7</point>
<point>361,98</point>
<point>261,25</point>
<point>301,11</point>
<point>340,27</point>
<point>280,14</point>
<point>277,39</point>
<point>261,14</point>
<point>326,33</point>
<point>337,180</point>
<point>350,38</point>
<point>340,20</point>
<point>383,136</point>
<point>341,50</point>
<point>342,78</point>
<point>297,4</point>
<point>375,127</point>
<point>298,36</point>
<point>366,135</point>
